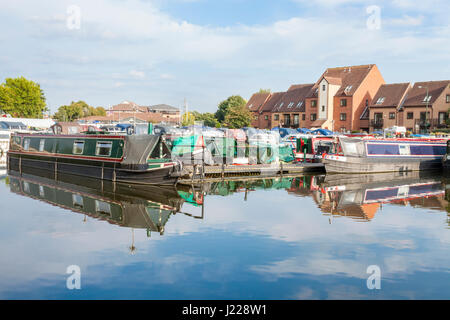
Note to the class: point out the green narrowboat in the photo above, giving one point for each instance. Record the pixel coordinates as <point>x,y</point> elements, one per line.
<point>138,159</point>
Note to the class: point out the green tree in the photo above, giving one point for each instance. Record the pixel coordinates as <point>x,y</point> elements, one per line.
<point>225,105</point>
<point>264,91</point>
<point>187,119</point>
<point>77,110</point>
<point>22,98</point>
<point>238,116</point>
<point>207,118</point>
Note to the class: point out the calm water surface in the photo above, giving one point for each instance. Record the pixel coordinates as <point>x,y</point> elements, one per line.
<point>290,238</point>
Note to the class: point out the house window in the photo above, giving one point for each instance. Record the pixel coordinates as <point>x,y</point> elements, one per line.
<point>281,104</point>
<point>323,87</point>
<point>447,98</point>
<point>323,108</point>
<point>313,103</point>
<point>266,117</point>
<point>313,117</point>
<point>303,117</point>
<point>26,144</point>
<point>78,147</point>
<point>442,117</point>
<point>41,145</point>
<point>410,115</point>
<point>103,148</point>
<point>348,88</point>
<point>367,102</point>
<point>343,102</point>
<point>296,119</point>
<point>299,104</point>
<point>277,117</point>
<point>380,100</point>
<point>391,115</point>
<point>343,116</point>
<point>290,105</point>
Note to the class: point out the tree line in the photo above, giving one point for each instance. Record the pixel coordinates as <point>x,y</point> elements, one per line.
<point>22,98</point>
<point>231,113</point>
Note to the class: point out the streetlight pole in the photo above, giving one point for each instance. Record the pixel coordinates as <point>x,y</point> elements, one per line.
<point>426,109</point>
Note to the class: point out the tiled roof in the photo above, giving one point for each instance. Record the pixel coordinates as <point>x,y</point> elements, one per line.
<point>317,123</point>
<point>128,106</point>
<point>163,107</point>
<point>272,101</point>
<point>154,117</point>
<point>257,100</point>
<point>390,95</point>
<point>293,100</point>
<point>349,77</point>
<point>416,96</point>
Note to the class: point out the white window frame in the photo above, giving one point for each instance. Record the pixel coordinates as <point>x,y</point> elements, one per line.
<point>82,149</point>
<point>41,145</point>
<point>97,148</point>
<point>26,144</point>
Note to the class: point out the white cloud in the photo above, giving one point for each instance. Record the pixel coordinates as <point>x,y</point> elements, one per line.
<point>137,74</point>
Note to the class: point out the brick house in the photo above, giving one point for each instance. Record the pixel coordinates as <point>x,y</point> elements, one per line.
<point>291,106</point>
<point>268,119</point>
<point>384,109</point>
<point>338,99</point>
<point>255,104</point>
<point>426,106</point>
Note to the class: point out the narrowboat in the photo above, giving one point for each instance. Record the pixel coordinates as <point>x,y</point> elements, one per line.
<point>4,146</point>
<point>446,158</point>
<point>310,148</point>
<point>366,155</point>
<point>139,159</point>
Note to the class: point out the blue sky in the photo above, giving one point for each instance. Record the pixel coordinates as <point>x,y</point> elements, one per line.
<point>162,51</point>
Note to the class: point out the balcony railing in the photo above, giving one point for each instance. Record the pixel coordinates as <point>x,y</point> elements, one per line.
<point>431,123</point>
<point>376,123</point>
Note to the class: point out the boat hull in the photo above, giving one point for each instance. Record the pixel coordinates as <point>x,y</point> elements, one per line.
<point>346,164</point>
<point>92,169</point>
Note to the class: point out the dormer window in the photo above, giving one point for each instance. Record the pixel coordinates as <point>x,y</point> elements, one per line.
<point>427,98</point>
<point>290,105</point>
<point>380,100</point>
<point>299,104</point>
<point>281,104</point>
<point>348,88</point>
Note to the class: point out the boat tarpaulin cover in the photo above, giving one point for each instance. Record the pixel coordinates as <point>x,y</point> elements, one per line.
<point>138,148</point>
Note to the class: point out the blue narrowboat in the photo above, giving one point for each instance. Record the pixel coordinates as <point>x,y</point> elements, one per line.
<point>366,155</point>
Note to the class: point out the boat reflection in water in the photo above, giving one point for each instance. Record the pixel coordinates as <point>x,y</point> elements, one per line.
<point>361,196</point>
<point>137,207</point>
<point>356,196</point>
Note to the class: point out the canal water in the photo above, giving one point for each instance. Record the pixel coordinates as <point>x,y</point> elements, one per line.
<point>311,237</point>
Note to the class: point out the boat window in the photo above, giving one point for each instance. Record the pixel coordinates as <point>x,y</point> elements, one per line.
<point>26,144</point>
<point>103,148</point>
<point>41,145</point>
<point>102,207</point>
<point>78,147</point>
<point>26,187</point>
<point>404,149</point>
<point>77,201</point>
<point>41,191</point>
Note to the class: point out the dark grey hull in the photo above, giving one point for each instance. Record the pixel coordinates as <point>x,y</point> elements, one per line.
<point>97,170</point>
<point>372,165</point>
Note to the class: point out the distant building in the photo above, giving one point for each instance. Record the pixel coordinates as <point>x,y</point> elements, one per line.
<point>338,101</point>
<point>384,109</point>
<point>340,96</point>
<point>422,112</point>
<point>128,111</point>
